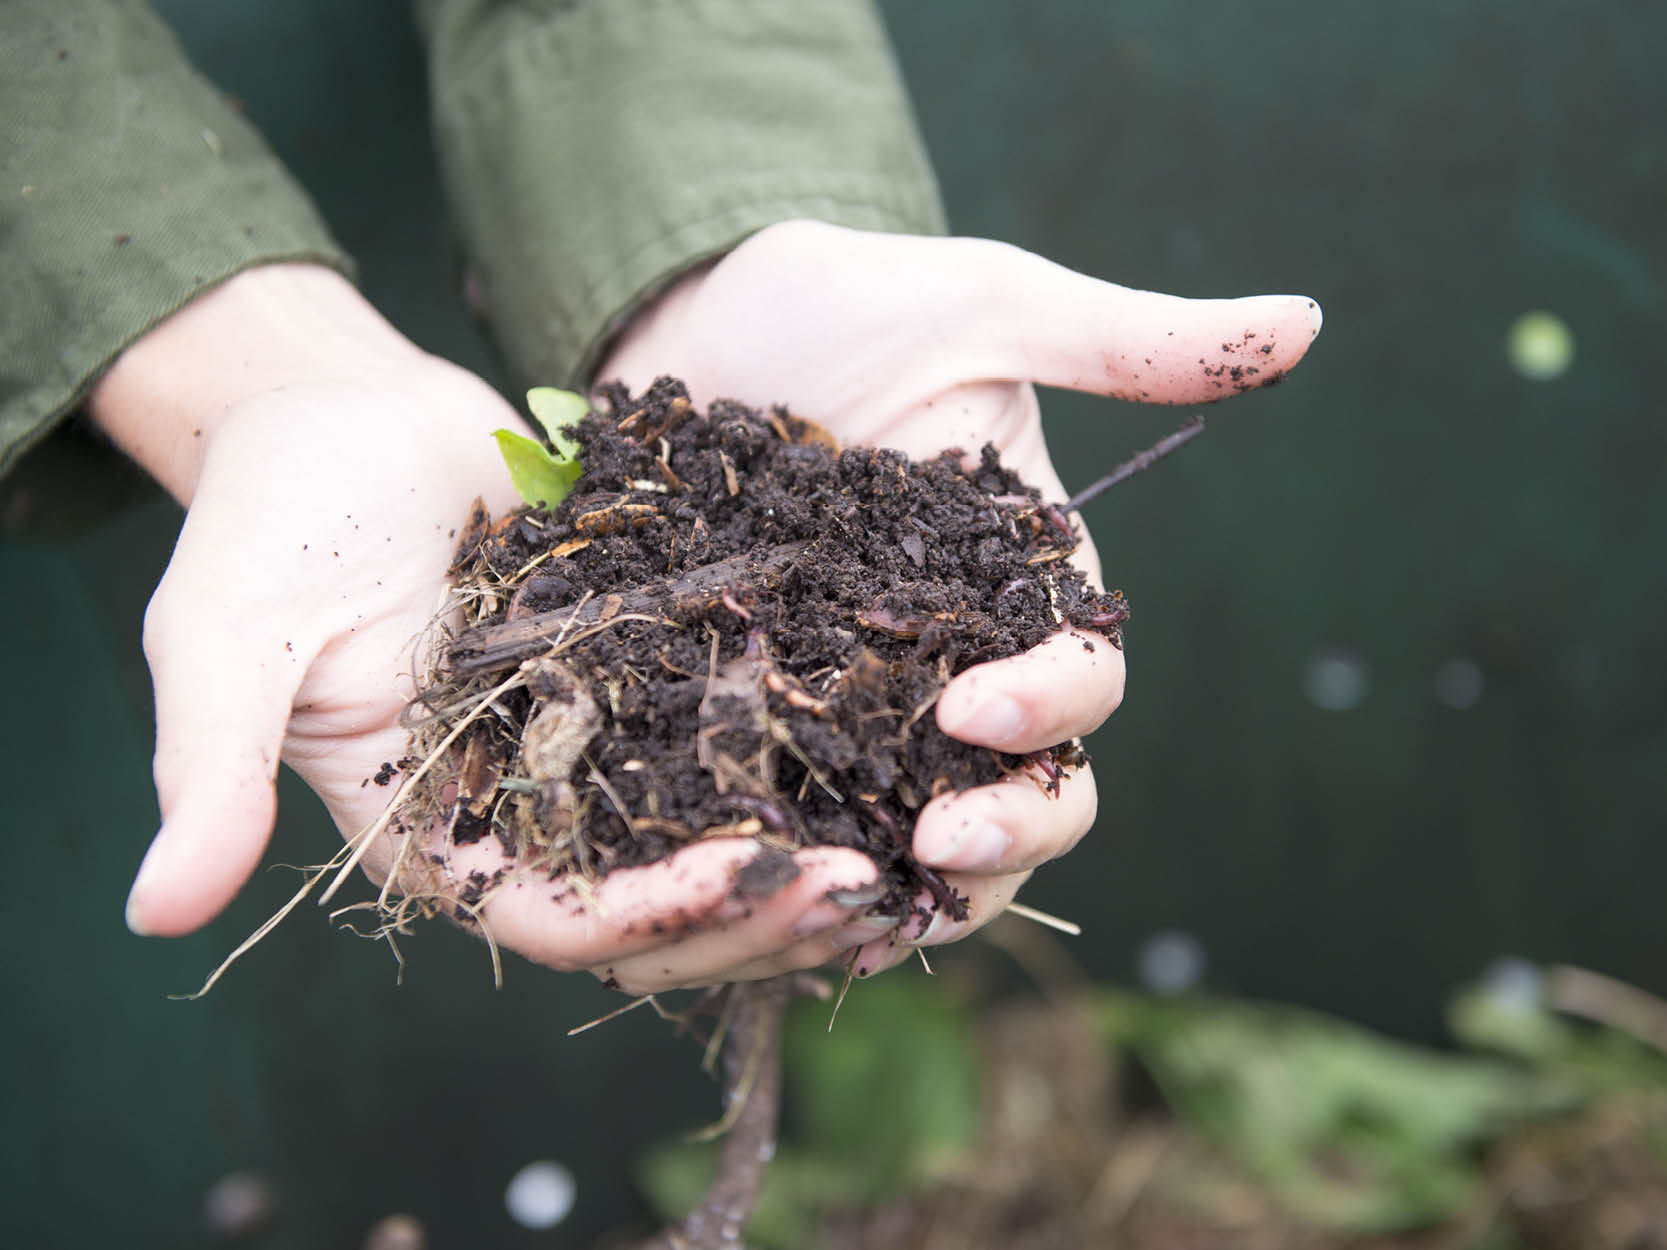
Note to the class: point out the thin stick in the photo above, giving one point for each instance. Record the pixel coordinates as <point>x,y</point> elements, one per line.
<point>844,987</point>
<point>1606,1001</point>
<point>608,792</point>
<point>720,1031</point>
<point>612,1015</point>
<point>1043,918</point>
<point>1143,460</point>
<point>752,1087</point>
<point>741,1086</point>
<point>254,938</point>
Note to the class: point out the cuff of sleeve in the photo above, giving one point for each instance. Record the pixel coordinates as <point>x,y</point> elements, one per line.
<point>130,188</point>
<point>595,153</point>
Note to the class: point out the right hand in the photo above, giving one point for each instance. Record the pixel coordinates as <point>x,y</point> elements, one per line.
<point>326,464</point>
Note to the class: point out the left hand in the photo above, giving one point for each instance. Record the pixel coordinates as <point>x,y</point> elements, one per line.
<point>924,344</point>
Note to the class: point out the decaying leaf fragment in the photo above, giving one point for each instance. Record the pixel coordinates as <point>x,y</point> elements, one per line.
<point>564,720</point>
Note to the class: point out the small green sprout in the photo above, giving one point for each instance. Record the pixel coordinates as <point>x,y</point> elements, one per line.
<point>544,475</point>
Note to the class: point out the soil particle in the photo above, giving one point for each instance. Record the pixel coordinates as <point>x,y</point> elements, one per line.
<point>764,875</point>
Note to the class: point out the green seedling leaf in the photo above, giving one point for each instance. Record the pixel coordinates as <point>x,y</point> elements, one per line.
<point>544,475</point>
<point>556,411</point>
<point>539,477</point>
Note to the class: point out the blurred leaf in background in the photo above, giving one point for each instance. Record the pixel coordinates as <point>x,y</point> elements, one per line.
<point>921,1121</point>
<point>1348,1130</point>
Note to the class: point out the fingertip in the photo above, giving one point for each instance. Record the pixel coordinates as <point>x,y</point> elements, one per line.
<point>849,869</point>
<point>972,710</point>
<point>1299,308</point>
<point>134,913</point>
<point>207,848</point>
<point>1062,688</point>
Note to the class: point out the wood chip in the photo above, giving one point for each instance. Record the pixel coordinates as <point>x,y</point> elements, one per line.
<point>615,518</point>
<point>751,827</point>
<point>658,824</point>
<point>1048,557</point>
<point>802,430</point>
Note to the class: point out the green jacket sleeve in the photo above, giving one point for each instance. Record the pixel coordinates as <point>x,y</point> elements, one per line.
<point>128,186</point>
<point>593,149</point>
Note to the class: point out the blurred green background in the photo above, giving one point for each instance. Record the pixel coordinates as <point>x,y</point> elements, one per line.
<point>1395,706</point>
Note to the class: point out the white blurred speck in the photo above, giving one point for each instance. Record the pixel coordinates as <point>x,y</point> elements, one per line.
<point>397,1232</point>
<point>1513,984</point>
<point>1459,684</point>
<point>1540,345</point>
<point>1170,961</point>
<point>238,1205</point>
<point>540,1195</point>
<point>1336,679</point>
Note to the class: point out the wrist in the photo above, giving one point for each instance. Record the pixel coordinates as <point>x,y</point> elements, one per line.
<point>166,396</point>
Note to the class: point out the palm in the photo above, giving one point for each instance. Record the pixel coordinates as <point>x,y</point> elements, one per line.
<point>928,344</point>
<point>311,558</point>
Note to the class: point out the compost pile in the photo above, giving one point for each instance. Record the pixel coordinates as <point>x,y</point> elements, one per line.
<point>733,627</point>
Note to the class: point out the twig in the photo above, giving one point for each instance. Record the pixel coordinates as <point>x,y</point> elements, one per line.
<point>249,943</point>
<point>494,646</point>
<point>1606,1001</point>
<point>612,1015</point>
<point>1043,918</point>
<point>844,987</point>
<point>752,1086</point>
<point>1143,460</point>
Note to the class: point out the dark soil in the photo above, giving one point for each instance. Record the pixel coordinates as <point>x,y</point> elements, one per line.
<point>731,627</point>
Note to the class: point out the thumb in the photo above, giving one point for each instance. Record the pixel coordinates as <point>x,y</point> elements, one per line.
<point>223,697</point>
<point>1062,328</point>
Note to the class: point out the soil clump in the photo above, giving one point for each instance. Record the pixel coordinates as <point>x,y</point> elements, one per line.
<point>733,627</point>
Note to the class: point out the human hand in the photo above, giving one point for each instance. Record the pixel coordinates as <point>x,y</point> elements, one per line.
<point>924,344</point>
<point>326,463</point>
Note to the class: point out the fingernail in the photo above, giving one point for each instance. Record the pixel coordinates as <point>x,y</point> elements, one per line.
<point>859,932</point>
<point>994,719</point>
<point>942,929</point>
<point>1316,319</point>
<point>856,896</point>
<point>974,846</point>
<point>820,918</point>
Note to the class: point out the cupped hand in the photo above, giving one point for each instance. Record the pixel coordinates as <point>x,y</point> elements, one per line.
<point>327,464</point>
<point>925,344</point>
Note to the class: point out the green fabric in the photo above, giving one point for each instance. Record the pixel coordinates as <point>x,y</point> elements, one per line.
<point>128,186</point>
<point>595,148</point>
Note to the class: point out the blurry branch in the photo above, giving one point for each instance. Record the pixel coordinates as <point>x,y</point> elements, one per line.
<point>1604,1000</point>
